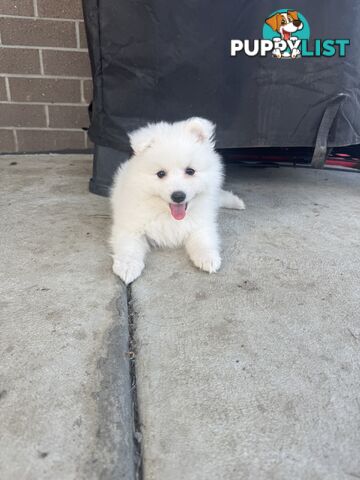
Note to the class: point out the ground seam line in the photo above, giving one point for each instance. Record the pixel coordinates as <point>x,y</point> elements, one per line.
<point>137,435</point>
<point>133,382</point>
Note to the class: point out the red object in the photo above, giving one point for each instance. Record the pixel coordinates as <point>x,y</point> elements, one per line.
<point>344,161</point>
<point>293,156</point>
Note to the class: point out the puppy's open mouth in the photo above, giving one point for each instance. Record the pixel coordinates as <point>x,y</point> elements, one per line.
<point>286,35</point>
<point>178,210</point>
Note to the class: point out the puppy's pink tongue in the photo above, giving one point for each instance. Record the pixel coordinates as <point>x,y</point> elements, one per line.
<point>178,210</point>
<point>287,35</point>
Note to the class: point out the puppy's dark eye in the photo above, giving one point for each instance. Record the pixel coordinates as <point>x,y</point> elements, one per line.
<point>161,173</point>
<point>189,171</point>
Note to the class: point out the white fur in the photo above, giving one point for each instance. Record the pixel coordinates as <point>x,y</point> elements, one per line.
<point>140,200</point>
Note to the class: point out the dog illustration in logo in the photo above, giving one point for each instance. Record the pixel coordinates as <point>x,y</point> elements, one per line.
<point>286,24</point>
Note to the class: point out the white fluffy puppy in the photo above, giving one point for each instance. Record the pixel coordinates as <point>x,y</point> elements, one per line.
<point>168,194</point>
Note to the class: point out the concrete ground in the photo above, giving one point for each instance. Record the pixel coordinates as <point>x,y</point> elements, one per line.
<point>252,373</point>
<point>65,407</point>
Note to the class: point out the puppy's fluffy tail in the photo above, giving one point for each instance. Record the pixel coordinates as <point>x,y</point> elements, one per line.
<point>229,200</point>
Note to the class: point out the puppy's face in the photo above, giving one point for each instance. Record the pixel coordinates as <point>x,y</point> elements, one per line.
<point>176,162</point>
<point>285,23</point>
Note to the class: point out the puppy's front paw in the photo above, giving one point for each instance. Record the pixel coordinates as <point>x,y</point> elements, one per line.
<point>276,53</point>
<point>238,203</point>
<point>127,268</point>
<point>208,261</point>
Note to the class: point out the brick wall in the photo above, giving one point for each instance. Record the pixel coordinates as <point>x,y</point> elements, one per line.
<point>45,82</point>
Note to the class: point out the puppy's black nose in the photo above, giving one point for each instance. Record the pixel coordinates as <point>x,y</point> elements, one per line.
<point>297,23</point>
<point>178,197</point>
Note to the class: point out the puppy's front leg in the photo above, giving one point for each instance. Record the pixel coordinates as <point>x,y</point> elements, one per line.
<point>203,249</point>
<point>129,254</point>
<point>277,53</point>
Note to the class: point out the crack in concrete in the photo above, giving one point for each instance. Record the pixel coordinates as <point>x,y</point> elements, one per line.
<point>114,450</point>
<point>132,364</point>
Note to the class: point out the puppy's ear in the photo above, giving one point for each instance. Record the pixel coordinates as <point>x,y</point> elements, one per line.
<point>274,21</point>
<point>141,139</point>
<point>203,130</point>
<point>293,14</point>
